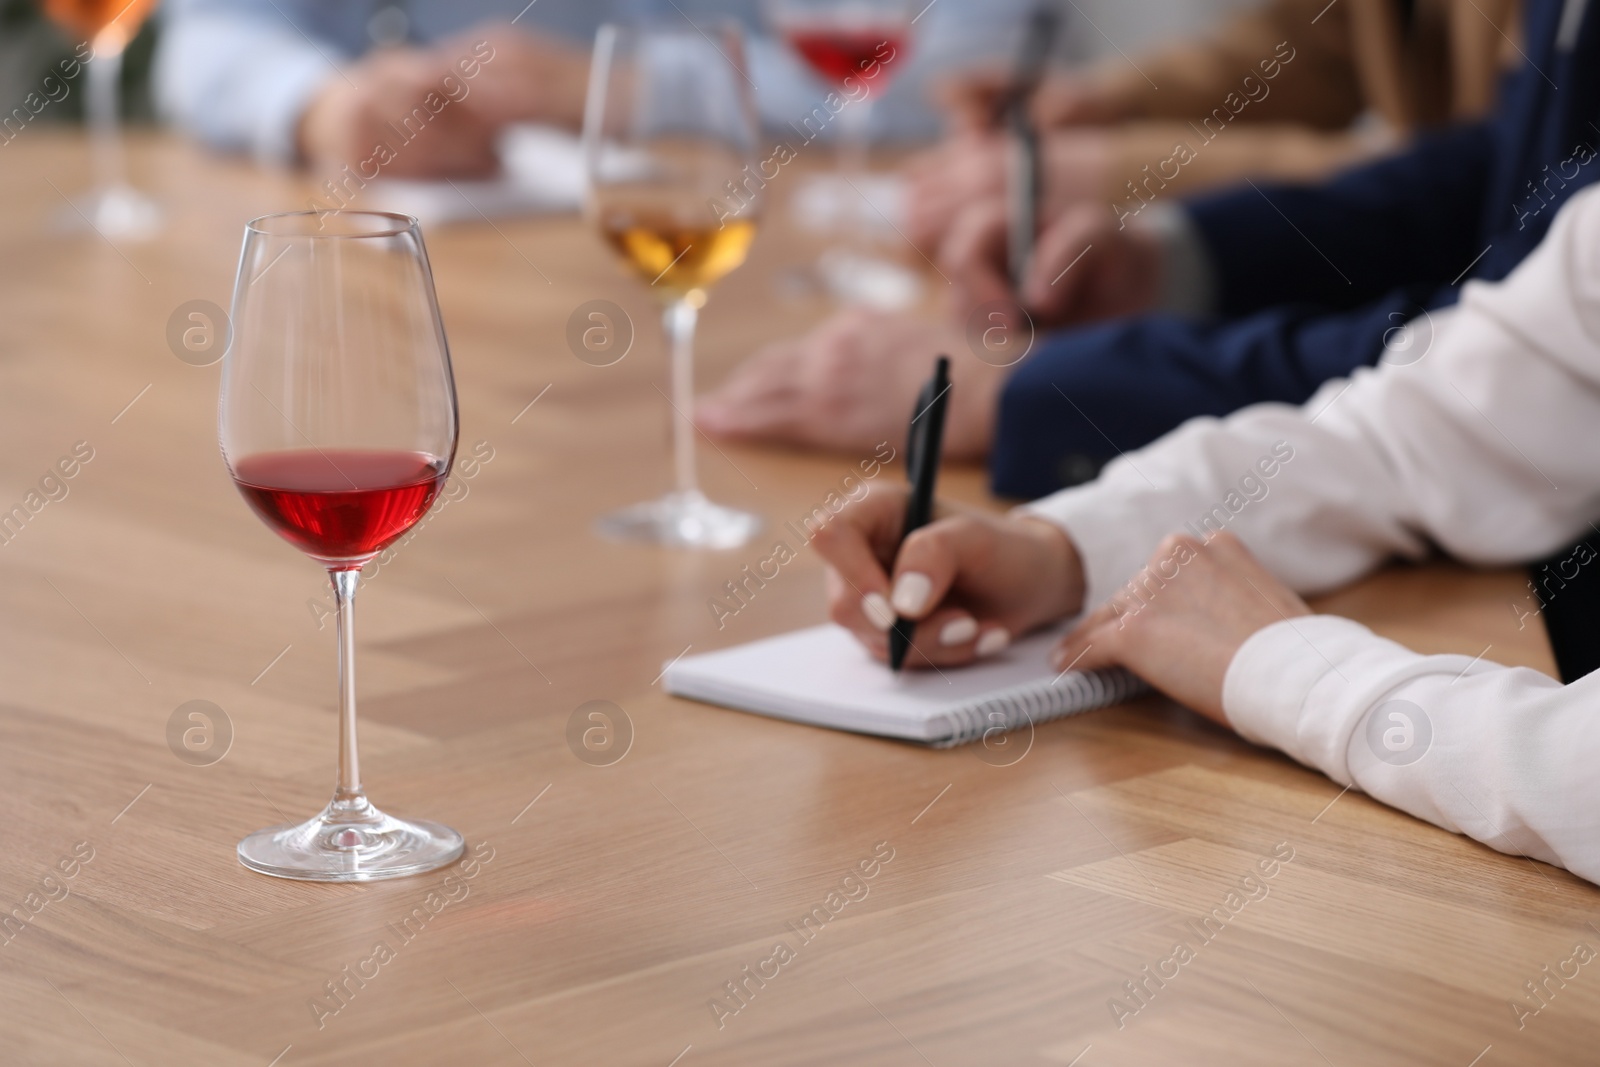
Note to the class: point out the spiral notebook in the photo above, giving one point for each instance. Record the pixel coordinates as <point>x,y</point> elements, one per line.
<point>823,677</point>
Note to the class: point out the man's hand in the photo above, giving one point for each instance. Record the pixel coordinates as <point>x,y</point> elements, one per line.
<point>972,167</point>
<point>1182,619</point>
<point>347,121</point>
<point>532,77</point>
<point>850,383</point>
<point>515,76</point>
<point>972,100</point>
<point>973,582</point>
<point>1084,266</point>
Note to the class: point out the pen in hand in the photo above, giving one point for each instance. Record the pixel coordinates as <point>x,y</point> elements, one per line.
<point>924,447</point>
<point>1024,177</point>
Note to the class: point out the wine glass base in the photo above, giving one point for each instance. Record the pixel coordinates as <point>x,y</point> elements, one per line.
<point>851,205</point>
<point>118,212</point>
<point>683,520</point>
<point>859,278</point>
<point>351,841</point>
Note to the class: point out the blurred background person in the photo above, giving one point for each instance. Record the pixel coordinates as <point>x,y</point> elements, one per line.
<point>1317,87</point>
<point>1236,297</point>
<point>312,80</point>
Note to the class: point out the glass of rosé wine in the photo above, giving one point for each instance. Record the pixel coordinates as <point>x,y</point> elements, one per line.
<point>114,208</point>
<point>338,425</point>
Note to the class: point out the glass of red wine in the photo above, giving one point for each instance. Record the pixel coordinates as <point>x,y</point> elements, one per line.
<point>338,425</point>
<point>856,47</point>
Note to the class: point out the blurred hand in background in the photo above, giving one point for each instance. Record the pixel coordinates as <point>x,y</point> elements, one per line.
<point>1075,165</point>
<point>1085,265</point>
<point>972,100</point>
<point>490,77</point>
<point>851,383</point>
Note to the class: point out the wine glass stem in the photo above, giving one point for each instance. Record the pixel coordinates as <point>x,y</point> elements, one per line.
<point>104,85</point>
<point>855,129</point>
<point>855,134</point>
<point>680,318</point>
<point>344,593</point>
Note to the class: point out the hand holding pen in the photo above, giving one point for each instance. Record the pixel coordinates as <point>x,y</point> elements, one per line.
<point>1077,266</point>
<point>1023,191</point>
<point>959,585</point>
<point>924,453</point>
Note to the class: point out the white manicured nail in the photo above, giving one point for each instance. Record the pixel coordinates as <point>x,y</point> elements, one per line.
<point>993,642</point>
<point>877,610</point>
<point>959,631</point>
<point>911,593</point>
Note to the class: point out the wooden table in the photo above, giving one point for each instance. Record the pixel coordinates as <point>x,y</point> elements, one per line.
<point>613,904</point>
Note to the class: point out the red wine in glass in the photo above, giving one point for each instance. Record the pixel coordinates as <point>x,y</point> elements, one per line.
<point>839,50</point>
<point>856,47</point>
<point>340,503</point>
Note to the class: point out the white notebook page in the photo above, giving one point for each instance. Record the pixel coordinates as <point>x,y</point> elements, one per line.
<point>823,676</point>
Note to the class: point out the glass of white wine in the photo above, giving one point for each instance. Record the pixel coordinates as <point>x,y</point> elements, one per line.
<point>669,143</point>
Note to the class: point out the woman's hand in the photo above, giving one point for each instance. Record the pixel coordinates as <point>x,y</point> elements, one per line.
<point>973,582</point>
<point>1179,622</point>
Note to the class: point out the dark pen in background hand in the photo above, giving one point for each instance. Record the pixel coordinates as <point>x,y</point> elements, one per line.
<point>1014,106</point>
<point>924,451</point>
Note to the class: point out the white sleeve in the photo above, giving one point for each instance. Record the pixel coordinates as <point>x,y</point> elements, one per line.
<point>1502,755</point>
<point>238,75</point>
<point>1482,442</point>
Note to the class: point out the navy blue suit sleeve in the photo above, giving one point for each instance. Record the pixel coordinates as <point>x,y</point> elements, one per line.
<point>1407,220</point>
<point>1090,394</point>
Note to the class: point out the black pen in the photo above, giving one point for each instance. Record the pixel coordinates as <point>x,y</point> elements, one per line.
<point>1024,178</point>
<point>1022,195</point>
<point>924,449</point>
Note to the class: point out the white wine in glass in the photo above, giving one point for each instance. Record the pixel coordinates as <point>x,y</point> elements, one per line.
<point>669,130</point>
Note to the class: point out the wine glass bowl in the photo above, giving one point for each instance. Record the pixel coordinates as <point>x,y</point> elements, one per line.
<point>108,23</point>
<point>338,425</point>
<point>669,148</point>
<point>840,40</point>
<point>670,242</point>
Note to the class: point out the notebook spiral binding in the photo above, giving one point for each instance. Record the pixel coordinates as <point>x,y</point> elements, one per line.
<point>1070,694</point>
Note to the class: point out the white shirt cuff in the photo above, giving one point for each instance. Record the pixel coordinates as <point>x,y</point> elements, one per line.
<point>1188,277</point>
<point>1113,538</point>
<point>282,102</point>
<point>1305,686</point>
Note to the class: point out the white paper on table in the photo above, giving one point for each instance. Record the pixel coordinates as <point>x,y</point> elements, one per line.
<point>541,174</point>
